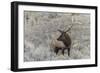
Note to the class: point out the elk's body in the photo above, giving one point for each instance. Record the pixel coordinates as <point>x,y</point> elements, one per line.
<point>57,45</point>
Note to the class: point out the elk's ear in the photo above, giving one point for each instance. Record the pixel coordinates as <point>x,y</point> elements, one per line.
<point>60,31</point>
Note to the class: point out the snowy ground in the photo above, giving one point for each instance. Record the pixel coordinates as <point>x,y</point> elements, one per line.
<point>39,28</point>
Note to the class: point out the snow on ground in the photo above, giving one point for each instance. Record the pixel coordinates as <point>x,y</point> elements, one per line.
<point>39,28</point>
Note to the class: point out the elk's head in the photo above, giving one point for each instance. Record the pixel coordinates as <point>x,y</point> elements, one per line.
<point>62,36</point>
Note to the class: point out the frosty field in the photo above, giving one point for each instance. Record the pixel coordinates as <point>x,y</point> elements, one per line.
<point>41,27</point>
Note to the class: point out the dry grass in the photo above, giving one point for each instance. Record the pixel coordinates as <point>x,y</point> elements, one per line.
<point>39,28</point>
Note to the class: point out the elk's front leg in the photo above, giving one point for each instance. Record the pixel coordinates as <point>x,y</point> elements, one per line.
<point>68,51</point>
<point>56,50</point>
<point>63,51</point>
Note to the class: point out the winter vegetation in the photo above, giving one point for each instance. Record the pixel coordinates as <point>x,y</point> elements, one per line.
<point>41,29</point>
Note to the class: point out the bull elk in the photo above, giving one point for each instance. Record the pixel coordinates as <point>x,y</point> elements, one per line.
<point>63,42</point>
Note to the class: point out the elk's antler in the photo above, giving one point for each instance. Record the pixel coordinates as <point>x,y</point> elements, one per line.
<point>60,30</point>
<point>69,28</point>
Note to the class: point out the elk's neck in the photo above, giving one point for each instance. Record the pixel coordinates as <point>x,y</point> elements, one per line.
<point>67,40</point>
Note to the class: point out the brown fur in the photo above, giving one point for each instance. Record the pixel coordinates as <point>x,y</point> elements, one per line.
<point>65,38</point>
<point>63,42</point>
